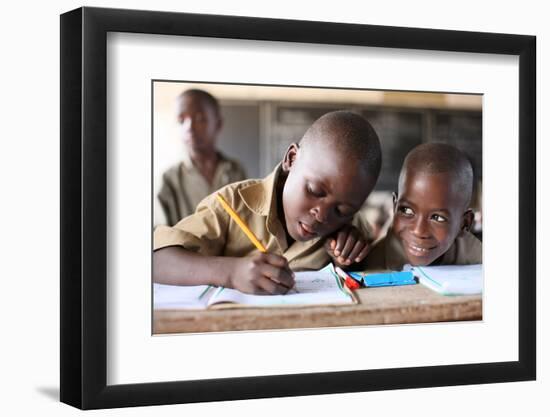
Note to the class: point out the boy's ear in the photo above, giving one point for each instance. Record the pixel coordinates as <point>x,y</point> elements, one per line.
<point>290,156</point>
<point>394,198</point>
<point>467,220</point>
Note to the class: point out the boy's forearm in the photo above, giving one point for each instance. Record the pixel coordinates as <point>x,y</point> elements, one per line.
<point>177,266</point>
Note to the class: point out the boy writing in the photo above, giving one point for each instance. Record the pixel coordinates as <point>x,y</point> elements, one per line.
<point>313,194</point>
<point>432,218</point>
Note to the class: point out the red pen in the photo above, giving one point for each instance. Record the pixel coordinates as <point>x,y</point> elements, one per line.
<point>348,281</point>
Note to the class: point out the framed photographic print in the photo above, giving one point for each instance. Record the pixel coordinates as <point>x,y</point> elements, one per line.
<point>124,75</point>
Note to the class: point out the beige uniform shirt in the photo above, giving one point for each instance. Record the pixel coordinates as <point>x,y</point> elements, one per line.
<point>210,231</point>
<point>183,186</point>
<point>388,253</point>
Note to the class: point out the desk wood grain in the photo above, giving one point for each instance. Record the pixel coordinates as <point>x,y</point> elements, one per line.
<point>386,305</point>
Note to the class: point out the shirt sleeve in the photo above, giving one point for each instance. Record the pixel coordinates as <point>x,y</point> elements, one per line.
<point>204,231</point>
<point>468,250</point>
<point>166,200</point>
<point>159,215</point>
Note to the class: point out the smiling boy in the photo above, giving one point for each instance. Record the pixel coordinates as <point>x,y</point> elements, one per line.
<point>313,194</point>
<point>432,218</point>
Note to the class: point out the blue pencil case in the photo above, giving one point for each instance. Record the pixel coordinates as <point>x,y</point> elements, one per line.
<point>383,279</point>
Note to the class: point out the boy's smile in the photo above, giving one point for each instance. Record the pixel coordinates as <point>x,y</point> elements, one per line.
<point>322,192</point>
<point>429,214</point>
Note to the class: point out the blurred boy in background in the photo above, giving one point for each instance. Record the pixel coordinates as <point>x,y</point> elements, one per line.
<point>204,169</point>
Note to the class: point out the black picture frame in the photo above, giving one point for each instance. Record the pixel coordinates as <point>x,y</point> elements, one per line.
<point>84,207</point>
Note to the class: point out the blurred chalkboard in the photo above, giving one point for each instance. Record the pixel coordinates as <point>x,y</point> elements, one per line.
<point>239,135</point>
<point>399,132</point>
<point>288,125</point>
<point>462,130</point>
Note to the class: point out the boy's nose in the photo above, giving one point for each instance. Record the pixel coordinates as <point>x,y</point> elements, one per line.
<point>420,228</point>
<point>320,213</point>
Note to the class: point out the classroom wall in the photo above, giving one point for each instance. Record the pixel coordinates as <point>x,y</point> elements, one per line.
<point>29,174</point>
<point>239,138</point>
<point>260,122</point>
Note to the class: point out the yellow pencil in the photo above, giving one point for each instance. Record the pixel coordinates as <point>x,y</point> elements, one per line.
<point>243,227</point>
<point>241,224</point>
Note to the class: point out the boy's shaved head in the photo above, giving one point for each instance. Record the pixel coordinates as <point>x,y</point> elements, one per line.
<point>349,134</point>
<point>329,175</point>
<point>440,158</point>
<point>204,97</point>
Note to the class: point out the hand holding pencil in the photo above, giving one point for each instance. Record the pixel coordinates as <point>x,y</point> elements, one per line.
<point>261,273</point>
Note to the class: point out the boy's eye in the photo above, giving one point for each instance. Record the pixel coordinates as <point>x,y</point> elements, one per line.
<point>196,118</point>
<point>407,211</point>
<point>314,192</point>
<point>438,218</point>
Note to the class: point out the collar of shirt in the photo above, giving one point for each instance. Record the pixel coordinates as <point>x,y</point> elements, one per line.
<point>221,175</point>
<point>188,163</point>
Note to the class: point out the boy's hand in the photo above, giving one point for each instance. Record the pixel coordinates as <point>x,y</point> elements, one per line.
<point>347,246</point>
<point>261,273</point>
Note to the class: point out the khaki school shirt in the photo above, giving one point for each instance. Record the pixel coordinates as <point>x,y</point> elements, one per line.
<point>211,232</point>
<point>184,187</point>
<point>388,253</point>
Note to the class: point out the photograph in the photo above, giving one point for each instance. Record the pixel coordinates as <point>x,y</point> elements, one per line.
<point>286,207</point>
<point>259,208</point>
<point>272,209</point>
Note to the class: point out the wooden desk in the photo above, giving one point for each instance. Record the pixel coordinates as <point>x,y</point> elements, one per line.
<point>385,305</point>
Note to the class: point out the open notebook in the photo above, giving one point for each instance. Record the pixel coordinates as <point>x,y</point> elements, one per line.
<point>450,280</point>
<point>321,287</point>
